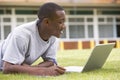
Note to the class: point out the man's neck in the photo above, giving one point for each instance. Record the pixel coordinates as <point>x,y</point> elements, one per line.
<point>43,34</point>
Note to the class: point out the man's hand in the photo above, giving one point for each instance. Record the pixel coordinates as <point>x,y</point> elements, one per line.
<point>54,71</point>
<point>40,71</point>
<point>48,71</point>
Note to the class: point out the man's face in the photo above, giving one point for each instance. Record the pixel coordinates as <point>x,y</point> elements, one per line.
<point>57,24</point>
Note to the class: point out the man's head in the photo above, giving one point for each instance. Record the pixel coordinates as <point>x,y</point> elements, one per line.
<point>52,17</point>
<point>48,10</point>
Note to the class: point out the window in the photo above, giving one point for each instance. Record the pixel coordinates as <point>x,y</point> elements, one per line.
<point>20,19</point>
<point>5,11</point>
<point>0,32</point>
<point>1,11</point>
<point>8,11</point>
<point>89,19</point>
<point>118,30</point>
<point>30,19</point>
<point>101,19</point>
<point>80,27</point>
<point>24,19</point>
<point>81,12</point>
<point>6,19</point>
<point>90,31</point>
<point>106,31</point>
<point>111,12</point>
<point>76,19</point>
<point>77,31</point>
<point>109,19</point>
<point>7,30</point>
<point>118,26</point>
<point>118,20</point>
<point>23,12</point>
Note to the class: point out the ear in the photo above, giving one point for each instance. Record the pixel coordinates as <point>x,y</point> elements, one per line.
<point>46,21</point>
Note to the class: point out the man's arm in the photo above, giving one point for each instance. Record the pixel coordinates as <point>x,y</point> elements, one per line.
<point>42,64</point>
<point>45,64</point>
<point>42,71</point>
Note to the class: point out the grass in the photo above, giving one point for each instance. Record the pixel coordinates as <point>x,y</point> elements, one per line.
<point>110,70</point>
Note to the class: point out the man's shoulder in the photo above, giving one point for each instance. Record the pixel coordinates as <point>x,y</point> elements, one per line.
<point>26,28</point>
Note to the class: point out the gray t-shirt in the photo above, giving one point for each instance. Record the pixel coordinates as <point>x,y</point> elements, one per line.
<point>25,45</point>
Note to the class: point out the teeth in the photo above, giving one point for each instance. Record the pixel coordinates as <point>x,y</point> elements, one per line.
<point>61,32</point>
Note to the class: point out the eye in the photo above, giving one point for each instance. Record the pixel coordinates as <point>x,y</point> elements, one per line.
<point>60,22</point>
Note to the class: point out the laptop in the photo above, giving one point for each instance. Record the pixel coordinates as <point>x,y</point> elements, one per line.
<point>96,60</point>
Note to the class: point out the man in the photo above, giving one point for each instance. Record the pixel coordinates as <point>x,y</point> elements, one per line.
<point>28,42</point>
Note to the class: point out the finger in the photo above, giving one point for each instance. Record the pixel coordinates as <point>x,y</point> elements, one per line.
<point>60,71</point>
<point>61,68</point>
<point>57,73</point>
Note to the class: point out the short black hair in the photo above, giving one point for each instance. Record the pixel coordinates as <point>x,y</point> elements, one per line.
<point>48,10</point>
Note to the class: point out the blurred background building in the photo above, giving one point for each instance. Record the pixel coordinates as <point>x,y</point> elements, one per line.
<point>89,22</point>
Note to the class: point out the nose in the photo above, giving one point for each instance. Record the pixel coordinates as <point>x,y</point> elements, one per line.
<point>63,26</point>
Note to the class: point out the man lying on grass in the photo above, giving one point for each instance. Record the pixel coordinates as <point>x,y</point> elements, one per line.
<point>30,41</point>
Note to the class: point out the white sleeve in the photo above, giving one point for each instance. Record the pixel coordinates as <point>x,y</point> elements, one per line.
<point>15,50</point>
<point>50,54</point>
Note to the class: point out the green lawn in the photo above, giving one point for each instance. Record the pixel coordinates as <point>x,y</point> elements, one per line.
<point>110,70</point>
